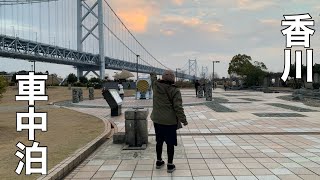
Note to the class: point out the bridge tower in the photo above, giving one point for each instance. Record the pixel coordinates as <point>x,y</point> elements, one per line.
<point>83,10</point>
<point>193,67</point>
<point>204,72</point>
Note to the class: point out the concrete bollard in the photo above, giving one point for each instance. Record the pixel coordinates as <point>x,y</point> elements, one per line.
<point>136,127</point>
<point>200,92</point>
<point>75,95</point>
<point>208,94</point>
<point>91,93</point>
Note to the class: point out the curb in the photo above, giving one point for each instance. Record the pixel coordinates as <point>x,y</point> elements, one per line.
<point>67,165</point>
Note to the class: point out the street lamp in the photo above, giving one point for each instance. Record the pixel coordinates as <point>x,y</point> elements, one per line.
<point>34,65</point>
<point>137,66</point>
<point>177,73</point>
<point>213,69</point>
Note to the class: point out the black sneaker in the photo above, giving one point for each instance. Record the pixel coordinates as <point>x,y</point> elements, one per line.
<point>159,164</point>
<point>171,168</point>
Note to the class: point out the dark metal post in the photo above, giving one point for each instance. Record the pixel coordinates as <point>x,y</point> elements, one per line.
<point>137,66</point>
<point>177,73</point>
<point>34,65</point>
<point>213,70</point>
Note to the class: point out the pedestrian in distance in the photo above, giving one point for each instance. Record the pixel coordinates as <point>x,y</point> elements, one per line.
<point>196,86</point>
<point>225,85</point>
<point>167,116</point>
<point>120,89</point>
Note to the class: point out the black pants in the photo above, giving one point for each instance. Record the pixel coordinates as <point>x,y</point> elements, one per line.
<point>170,152</point>
<point>168,134</point>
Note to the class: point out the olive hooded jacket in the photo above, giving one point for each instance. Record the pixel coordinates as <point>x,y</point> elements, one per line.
<point>166,110</point>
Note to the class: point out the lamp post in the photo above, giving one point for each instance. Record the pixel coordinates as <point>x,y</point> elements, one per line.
<point>34,65</point>
<point>213,69</point>
<point>177,73</point>
<point>137,66</point>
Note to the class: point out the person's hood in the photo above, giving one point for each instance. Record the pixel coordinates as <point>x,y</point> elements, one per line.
<point>163,86</point>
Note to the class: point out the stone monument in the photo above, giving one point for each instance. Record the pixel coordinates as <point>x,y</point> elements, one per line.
<point>114,101</point>
<point>80,94</point>
<point>208,91</point>
<point>200,91</point>
<point>91,93</point>
<point>75,95</point>
<point>136,128</point>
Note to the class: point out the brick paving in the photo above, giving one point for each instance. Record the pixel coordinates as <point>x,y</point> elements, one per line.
<point>220,145</point>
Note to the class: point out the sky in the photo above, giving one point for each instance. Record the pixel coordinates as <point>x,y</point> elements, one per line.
<point>175,31</point>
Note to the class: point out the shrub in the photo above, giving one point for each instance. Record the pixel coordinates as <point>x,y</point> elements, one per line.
<point>183,84</point>
<point>83,79</point>
<point>72,78</point>
<point>79,84</point>
<point>316,85</point>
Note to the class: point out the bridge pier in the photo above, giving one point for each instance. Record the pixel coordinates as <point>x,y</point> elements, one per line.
<point>79,73</point>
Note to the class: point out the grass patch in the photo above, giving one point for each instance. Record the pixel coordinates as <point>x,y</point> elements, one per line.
<point>55,93</point>
<point>67,131</point>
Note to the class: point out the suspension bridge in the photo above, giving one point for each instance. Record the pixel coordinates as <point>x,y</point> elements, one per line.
<point>86,34</point>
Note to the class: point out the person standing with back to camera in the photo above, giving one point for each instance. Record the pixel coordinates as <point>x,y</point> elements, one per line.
<point>120,89</point>
<point>167,116</point>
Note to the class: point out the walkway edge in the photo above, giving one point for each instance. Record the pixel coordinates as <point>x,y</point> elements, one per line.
<point>67,165</point>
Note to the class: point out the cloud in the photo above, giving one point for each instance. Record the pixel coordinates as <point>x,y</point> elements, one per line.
<point>273,22</point>
<point>193,22</point>
<point>135,14</point>
<point>167,32</point>
<point>185,54</point>
<point>135,20</point>
<point>253,5</point>
<point>181,20</point>
<point>178,2</point>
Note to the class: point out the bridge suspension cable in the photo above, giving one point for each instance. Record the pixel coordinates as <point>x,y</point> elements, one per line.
<point>146,51</point>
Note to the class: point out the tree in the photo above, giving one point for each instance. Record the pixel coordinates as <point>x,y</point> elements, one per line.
<point>94,79</point>
<point>14,79</point>
<point>316,68</point>
<point>240,65</point>
<point>83,79</point>
<point>3,73</point>
<point>252,73</point>
<point>72,78</point>
<point>3,85</point>
<point>95,82</point>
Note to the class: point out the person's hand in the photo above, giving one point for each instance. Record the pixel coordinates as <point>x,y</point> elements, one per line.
<point>185,123</point>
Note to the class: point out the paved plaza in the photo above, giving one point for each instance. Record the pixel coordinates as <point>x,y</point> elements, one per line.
<point>241,135</point>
